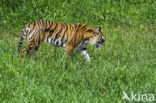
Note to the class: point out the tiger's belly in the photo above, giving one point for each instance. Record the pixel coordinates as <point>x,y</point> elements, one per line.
<point>81,47</point>
<point>56,42</point>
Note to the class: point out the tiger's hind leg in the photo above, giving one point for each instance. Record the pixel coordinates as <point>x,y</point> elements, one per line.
<point>36,49</point>
<point>30,47</point>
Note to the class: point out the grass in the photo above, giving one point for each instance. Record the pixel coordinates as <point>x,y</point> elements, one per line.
<point>127,63</point>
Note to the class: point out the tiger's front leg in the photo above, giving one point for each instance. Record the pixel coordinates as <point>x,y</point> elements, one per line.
<point>85,53</point>
<point>83,50</point>
<point>68,50</point>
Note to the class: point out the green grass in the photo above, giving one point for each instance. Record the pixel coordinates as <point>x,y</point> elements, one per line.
<point>127,63</point>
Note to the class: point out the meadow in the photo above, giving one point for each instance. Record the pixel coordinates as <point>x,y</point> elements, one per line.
<point>126,63</point>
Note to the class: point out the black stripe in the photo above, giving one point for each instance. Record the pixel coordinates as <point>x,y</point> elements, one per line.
<point>70,26</point>
<point>47,29</point>
<point>75,26</point>
<point>64,32</point>
<point>90,30</point>
<point>63,36</point>
<point>45,26</point>
<point>76,34</point>
<point>43,21</point>
<point>80,24</point>
<point>57,35</point>
<point>26,32</point>
<point>65,41</point>
<point>40,21</point>
<point>62,44</point>
<point>51,40</point>
<point>50,22</point>
<point>33,34</point>
<point>21,38</point>
<point>68,31</point>
<point>87,38</point>
<point>84,27</point>
<point>67,38</point>
<point>82,49</point>
<point>39,40</point>
<point>51,31</point>
<point>57,42</point>
<point>29,24</point>
<point>63,26</point>
<point>34,24</point>
<point>46,22</point>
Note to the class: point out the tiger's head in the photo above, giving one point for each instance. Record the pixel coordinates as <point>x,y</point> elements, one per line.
<point>97,39</point>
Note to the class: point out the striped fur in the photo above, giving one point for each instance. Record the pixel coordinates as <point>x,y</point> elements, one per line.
<point>67,35</point>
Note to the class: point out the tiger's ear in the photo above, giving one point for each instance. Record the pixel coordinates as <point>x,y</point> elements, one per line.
<point>97,30</point>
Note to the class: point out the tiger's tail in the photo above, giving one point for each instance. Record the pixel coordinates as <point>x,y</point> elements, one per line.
<point>24,34</point>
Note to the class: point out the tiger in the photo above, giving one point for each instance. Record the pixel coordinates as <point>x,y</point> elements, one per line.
<point>70,36</point>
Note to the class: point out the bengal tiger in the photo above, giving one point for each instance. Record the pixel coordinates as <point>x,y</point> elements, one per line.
<point>70,36</point>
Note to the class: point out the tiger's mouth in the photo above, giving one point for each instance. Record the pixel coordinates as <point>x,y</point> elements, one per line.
<point>103,43</point>
<point>100,45</point>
